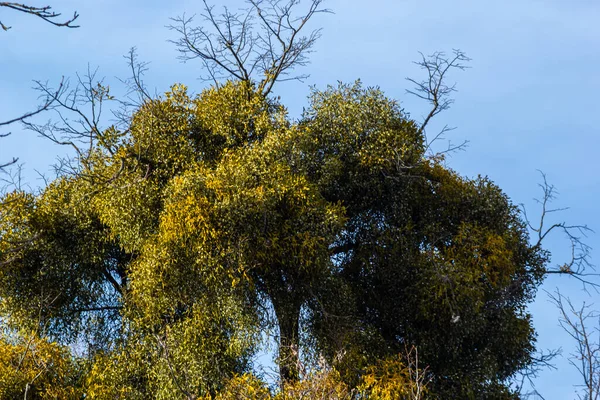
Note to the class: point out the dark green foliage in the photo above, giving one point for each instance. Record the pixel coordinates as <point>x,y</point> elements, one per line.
<point>180,236</point>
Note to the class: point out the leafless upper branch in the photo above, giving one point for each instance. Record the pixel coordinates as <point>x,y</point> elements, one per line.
<point>579,262</point>
<point>261,44</point>
<point>541,361</point>
<point>137,92</point>
<point>8,163</point>
<point>435,90</point>
<point>586,358</point>
<point>79,110</point>
<point>52,17</point>
<point>46,13</point>
<point>49,97</point>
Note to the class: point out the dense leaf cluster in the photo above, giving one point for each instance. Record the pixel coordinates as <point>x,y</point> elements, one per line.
<point>214,221</point>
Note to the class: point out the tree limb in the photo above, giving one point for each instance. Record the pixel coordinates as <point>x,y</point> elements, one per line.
<point>435,91</point>
<point>260,45</point>
<point>44,13</point>
<point>579,262</point>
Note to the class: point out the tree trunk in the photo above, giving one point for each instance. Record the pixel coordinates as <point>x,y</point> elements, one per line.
<point>288,315</point>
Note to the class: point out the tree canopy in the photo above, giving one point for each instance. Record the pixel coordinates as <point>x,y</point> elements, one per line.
<point>183,240</point>
<point>214,219</point>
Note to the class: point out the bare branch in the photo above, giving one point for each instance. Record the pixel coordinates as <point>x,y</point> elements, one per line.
<point>99,308</point>
<point>47,15</point>
<point>79,111</point>
<point>49,97</point>
<point>586,358</point>
<point>579,262</point>
<point>541,361</point>
<point>436,91</point>
<point>12,179</point>
<point>44,13</point>
<point>419,377</point>
<point>8,163</point>
<point>260,45</point>
<point>137,92</point>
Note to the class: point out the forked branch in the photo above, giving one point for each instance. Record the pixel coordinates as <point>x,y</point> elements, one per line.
<point>79,111</point>
<point>435,90</point>
<point>579,262</point>
<point>261,44</point>
<point>582,325</point>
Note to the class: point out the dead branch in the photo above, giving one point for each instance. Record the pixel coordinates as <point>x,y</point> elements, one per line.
<point>261,44</point>
<point>52,17</point>
<point>436,92</point>
<point>12,179</point>
<point>49,97</point>
<point>8,163</point>
<point>79,111</point>
<point>137,92</point>
<point>541,361</point>
<point>586,358</point>
<point>579,262</point>
<point>419,377</point>
<point>44,13</point>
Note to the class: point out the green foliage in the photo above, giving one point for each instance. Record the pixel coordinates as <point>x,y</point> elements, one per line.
<point>183,240</point>
<point>34,368</point>
<point>390,379</point>
<point>55,264</point>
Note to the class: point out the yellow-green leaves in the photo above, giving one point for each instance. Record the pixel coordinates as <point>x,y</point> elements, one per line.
<point>392,379</point>
<point>351,122</point>
<point>186,238</point>
<point>232,116</point>
<point>34,367</point>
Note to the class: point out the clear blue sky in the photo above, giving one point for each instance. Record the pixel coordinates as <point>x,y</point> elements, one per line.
<point>528,102</point>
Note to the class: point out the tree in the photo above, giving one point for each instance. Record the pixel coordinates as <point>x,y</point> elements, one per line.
<point>210,211</point>
<point>182,237</point>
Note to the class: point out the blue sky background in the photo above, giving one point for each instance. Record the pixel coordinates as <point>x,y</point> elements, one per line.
<point>528,102</point>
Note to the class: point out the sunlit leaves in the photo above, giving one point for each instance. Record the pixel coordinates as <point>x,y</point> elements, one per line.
<point>185,238</point>
<point>33,367</point>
